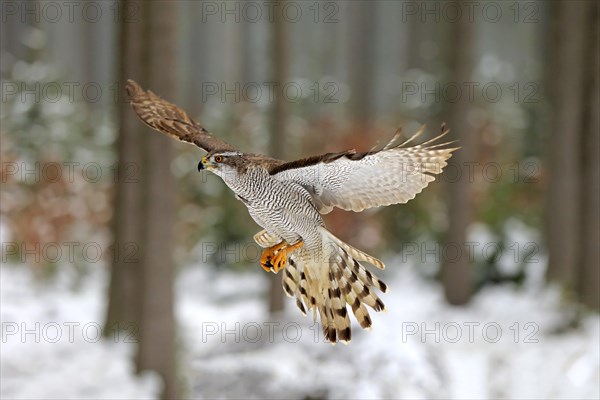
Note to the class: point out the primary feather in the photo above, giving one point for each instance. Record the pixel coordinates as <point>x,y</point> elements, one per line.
<point>356,181</point>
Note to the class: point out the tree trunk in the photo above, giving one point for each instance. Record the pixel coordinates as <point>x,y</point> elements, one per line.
<point>279,63</point>
<point>142,282</point>
<point>589,274</point>
<point>124,293</point>
<point>157,321</point>
<point>456,270</point>
<point>564,201</point>
<point>362,61</point>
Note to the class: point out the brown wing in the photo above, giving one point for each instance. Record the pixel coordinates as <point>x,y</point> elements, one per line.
<point>169,119</point>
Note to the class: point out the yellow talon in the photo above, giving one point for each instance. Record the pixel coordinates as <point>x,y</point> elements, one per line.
<point>268,254</point>
<point>275,257</point>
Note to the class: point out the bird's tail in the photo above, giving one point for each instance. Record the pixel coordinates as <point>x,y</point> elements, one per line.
<point>327,283</point>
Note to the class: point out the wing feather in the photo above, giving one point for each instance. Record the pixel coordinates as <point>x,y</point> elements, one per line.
<point>356,181</point>
<point>169,119</point>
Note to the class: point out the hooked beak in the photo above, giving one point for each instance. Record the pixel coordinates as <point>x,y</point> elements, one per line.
<point>202,164</point>
<point>205,163</point>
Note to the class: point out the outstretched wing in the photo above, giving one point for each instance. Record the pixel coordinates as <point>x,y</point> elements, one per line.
<point>169,119</point>
<point>356,181</point>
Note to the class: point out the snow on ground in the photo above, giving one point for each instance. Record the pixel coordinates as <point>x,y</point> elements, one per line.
<point>507,343</point>
<point>51,341</point>
<point>500,346</point>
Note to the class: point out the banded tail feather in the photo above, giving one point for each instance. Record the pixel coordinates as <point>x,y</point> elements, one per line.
<point>329,285</point>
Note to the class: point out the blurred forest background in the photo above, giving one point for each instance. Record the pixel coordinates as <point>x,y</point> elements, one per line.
<point>516,82</point>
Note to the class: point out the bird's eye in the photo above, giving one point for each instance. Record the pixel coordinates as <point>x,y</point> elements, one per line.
<point>219,158</point>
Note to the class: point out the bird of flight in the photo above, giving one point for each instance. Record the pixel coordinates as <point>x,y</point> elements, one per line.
<point>287,200</point>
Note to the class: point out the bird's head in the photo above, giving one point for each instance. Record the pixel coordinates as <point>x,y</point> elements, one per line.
<point>223,162</point>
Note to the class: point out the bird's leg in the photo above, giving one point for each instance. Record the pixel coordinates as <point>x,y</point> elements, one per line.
<point>268,255</point>
<point>281,255</point>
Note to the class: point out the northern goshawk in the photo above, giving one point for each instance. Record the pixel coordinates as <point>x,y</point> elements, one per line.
<point>287,200</point>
